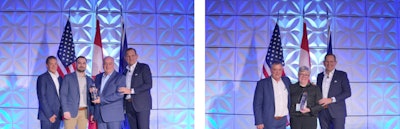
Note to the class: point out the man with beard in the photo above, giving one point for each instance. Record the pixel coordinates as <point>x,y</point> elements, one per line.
<point>75,97</point>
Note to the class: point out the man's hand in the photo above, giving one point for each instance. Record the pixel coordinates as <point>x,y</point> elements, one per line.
<point>91,118</point>
<point>53,118</point>
<point>325,101</point>
<point>97,101</point>
<point>305,110</point>
<point>67,115</point>
<point>260,126</point>
<point>124,90</point>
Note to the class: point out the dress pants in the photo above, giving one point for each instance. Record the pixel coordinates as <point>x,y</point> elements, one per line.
<point>136,120</point>
<point>327,122</point>
<point>303,122</point>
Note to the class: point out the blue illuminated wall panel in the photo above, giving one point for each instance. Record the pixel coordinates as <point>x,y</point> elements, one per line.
<point>365,37</point>
<point>162,31</point>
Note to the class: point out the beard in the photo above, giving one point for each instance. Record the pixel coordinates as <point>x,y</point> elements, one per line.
<point>80,70</point>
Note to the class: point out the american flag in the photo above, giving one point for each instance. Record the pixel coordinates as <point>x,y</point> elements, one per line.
<point>304,51</point>
<point>66,52</point>
<point>275,52</point>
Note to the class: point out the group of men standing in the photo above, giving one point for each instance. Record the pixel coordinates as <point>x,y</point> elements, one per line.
<point>69,98</point>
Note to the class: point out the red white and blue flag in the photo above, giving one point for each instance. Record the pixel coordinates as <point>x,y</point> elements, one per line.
<point>66,52</point>
<point>275,53</point>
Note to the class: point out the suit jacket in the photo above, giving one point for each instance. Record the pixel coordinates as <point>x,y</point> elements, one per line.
<point>49,102</point>
<point>313,96</point>
<point>111,103</point>
<point>70,96</point>
<point>340,89</point>
<point>264,101</point>
<point>141,82</point>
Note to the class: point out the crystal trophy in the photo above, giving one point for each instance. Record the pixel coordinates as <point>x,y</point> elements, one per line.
<point>303,101</point>
<point>94,92</point>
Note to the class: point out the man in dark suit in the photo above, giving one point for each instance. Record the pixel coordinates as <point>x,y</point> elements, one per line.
<point>138,85</point>
<point>75,97</point>
<point>335,88</point>
<point>48,85</point>
<point>271,100</point>
<point>109,110</point>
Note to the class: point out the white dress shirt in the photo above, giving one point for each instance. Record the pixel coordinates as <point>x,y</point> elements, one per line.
<point>326,83</point>
<point>82,90</point>
<point>281,98</point>
<point>129,75</point>
<point>54,77</point>
<point>104,81</point>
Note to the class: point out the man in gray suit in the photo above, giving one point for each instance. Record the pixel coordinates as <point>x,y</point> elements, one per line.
<point>109,110</point>
<point>137,91</point>
<point>75,97</point>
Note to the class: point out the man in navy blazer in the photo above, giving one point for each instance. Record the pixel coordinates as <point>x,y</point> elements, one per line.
<point>47,87</point>
<point>335,88</point>
<point>138,98</point>
<point>109,110</point>
<point>271,100</point>
<point>75,97</point>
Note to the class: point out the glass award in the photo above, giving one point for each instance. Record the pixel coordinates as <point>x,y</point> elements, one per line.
<point>94,92</point>
<point>303,101</point>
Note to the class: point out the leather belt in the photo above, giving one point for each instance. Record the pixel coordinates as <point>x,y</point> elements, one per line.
<point>278,117</point>
<point>82,108</point>
<point>128,100</point>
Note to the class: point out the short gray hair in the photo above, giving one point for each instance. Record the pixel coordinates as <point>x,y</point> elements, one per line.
<point>304,69</point>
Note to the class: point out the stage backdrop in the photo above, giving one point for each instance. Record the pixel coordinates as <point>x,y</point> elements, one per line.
<point>162,32</point>
<point>365,38</point>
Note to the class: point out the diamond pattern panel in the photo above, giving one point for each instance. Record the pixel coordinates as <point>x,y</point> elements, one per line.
<point>174,93</point>
<point>357,104</point>
<point>141,28</point>
<point>383,66</point>
<point>382,8</point>
<point>15,27</point>
<point>140,6</point>
<point>14,5</point>
<point>172,29</point>
<point>244,94</point>
<point>173,61</point>
<point>349,8</point>
<point>13,118</point>
<point>14,91</point>
<point>355,65</point>
<point>15,55</point>
<point>219,121</point>
<point>220,97</point>
<point>356,122</point>
<point>176,119</point>
<point>253,7</point>
<point>45,5</point>
<point>243,121</point>
<point>221,7</point>
<point>220,63</point>
<point>383,33</point>
<point>383,98</point>
<point>288,26</point>
<point>249,62</point>
<point>37,57</point>
<point>83,27</point>
<point>341,31</point>
<point>292,7</point>
<point>251,31</point>
<point>220,31</point>
<point>110,28</point>
<point>33,123</point>
<point>32,99</point>
<point>42,27</point>
<point>87,5</point>
<point>384,122</point>
<point>175,6</point>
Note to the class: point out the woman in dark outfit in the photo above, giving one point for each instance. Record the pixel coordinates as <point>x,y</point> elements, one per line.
<point>303,115</point>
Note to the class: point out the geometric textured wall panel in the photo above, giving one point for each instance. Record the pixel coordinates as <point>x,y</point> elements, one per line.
<point>220,63</point>
<point>162,32</point>
<point>219,97</point>
<point>384,99</point>
<point>383,66</point>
